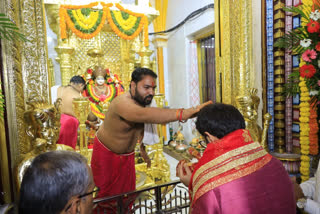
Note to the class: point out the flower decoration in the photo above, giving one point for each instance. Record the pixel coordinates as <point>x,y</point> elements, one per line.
<point>313,27</point>
<point>307,71</point>
<point>102,97</point>
<point>109,80</point>
<point>108,72</point>
<point>89,71</point>
<point>304,41</point>
<point>309,55</point>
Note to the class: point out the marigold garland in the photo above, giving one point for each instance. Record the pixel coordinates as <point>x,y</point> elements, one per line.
<point>125,23</point>
<point>66,16</point>
<point>304,130</point>
<point>127,34</point>
<point>112,93</point>
<point>96,110</point>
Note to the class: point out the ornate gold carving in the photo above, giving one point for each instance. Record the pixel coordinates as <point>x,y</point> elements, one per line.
<point>234,48</point>
<point>145,54</point>
<point>43,127</point>
<point>65,55</point>
<point>248,106</point>
<point>264,141</point>
<point>81,108</point>
<point>34,52</point>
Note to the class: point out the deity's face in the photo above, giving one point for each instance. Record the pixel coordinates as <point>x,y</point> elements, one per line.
<point>100,80</point>
<point>144,90</point>
<point>50,135</point>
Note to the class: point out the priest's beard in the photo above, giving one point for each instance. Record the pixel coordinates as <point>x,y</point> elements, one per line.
<point>144,101</point>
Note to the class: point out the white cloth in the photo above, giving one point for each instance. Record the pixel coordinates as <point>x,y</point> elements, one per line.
<point>150,135</point>
<point>311,189</point>
<point>54,93</point>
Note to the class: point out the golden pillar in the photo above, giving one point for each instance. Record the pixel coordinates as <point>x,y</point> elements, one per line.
<point>65,55</point>
<point>160,25</point>
<point>145,54</point>
<point>126,66</point>
<point>279,79</point>
<point>233,41</point>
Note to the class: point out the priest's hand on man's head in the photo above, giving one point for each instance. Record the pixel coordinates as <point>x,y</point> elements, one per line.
<point>192,112</point>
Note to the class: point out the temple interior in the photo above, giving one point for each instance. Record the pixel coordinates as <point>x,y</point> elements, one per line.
<point>222,50</point>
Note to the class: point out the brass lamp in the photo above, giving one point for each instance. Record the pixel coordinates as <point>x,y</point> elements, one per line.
<point>81,108</point>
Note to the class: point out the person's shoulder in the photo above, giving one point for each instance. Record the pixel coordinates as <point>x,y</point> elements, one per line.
<point>124,98</point>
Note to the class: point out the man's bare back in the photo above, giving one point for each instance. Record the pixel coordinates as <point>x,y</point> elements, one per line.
<point>67,94</point>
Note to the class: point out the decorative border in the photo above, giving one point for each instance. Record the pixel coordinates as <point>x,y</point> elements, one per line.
<point>288,70</point>
<point>270,71</point>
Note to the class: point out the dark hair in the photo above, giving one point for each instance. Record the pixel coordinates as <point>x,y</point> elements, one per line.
<point>139,73</point>
<point>77,80</point>
<point>219,120</point>
<point>51,180</point>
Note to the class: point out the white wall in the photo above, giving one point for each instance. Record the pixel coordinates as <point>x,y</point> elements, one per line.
<point>176,53</point>
<point>257,53</point>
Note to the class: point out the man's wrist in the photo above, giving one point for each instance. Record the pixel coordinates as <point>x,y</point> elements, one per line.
<point>301,203</point>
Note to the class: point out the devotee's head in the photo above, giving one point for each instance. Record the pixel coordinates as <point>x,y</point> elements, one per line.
<point>78,83</point>
<point>218,120</point>
<point>57,182</point>
<point>143,85</point>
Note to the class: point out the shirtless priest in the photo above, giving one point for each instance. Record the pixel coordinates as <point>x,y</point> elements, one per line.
<point>69,123</point>
<point>113,150</point>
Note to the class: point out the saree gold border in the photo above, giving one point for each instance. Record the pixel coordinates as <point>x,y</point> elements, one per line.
<point>233,32</point>
<point>207,187</point>
<point>226,156</point>
<point>227,167</point>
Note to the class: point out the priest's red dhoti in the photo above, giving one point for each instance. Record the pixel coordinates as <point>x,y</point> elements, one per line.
<point>112,173</point>
<point>68,131</point>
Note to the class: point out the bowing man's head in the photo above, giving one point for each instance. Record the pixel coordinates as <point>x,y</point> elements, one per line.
<point>217,120</point>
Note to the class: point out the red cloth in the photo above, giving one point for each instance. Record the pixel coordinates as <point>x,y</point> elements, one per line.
<point>68,131</point>
<point>112,173</point>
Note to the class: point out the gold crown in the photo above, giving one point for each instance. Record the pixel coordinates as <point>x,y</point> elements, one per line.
<point>99,71</point>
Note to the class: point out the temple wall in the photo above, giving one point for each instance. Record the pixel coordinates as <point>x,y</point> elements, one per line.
<point>176,54</point>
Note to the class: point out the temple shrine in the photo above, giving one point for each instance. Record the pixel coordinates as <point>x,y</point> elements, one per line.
<point>245,53</point>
